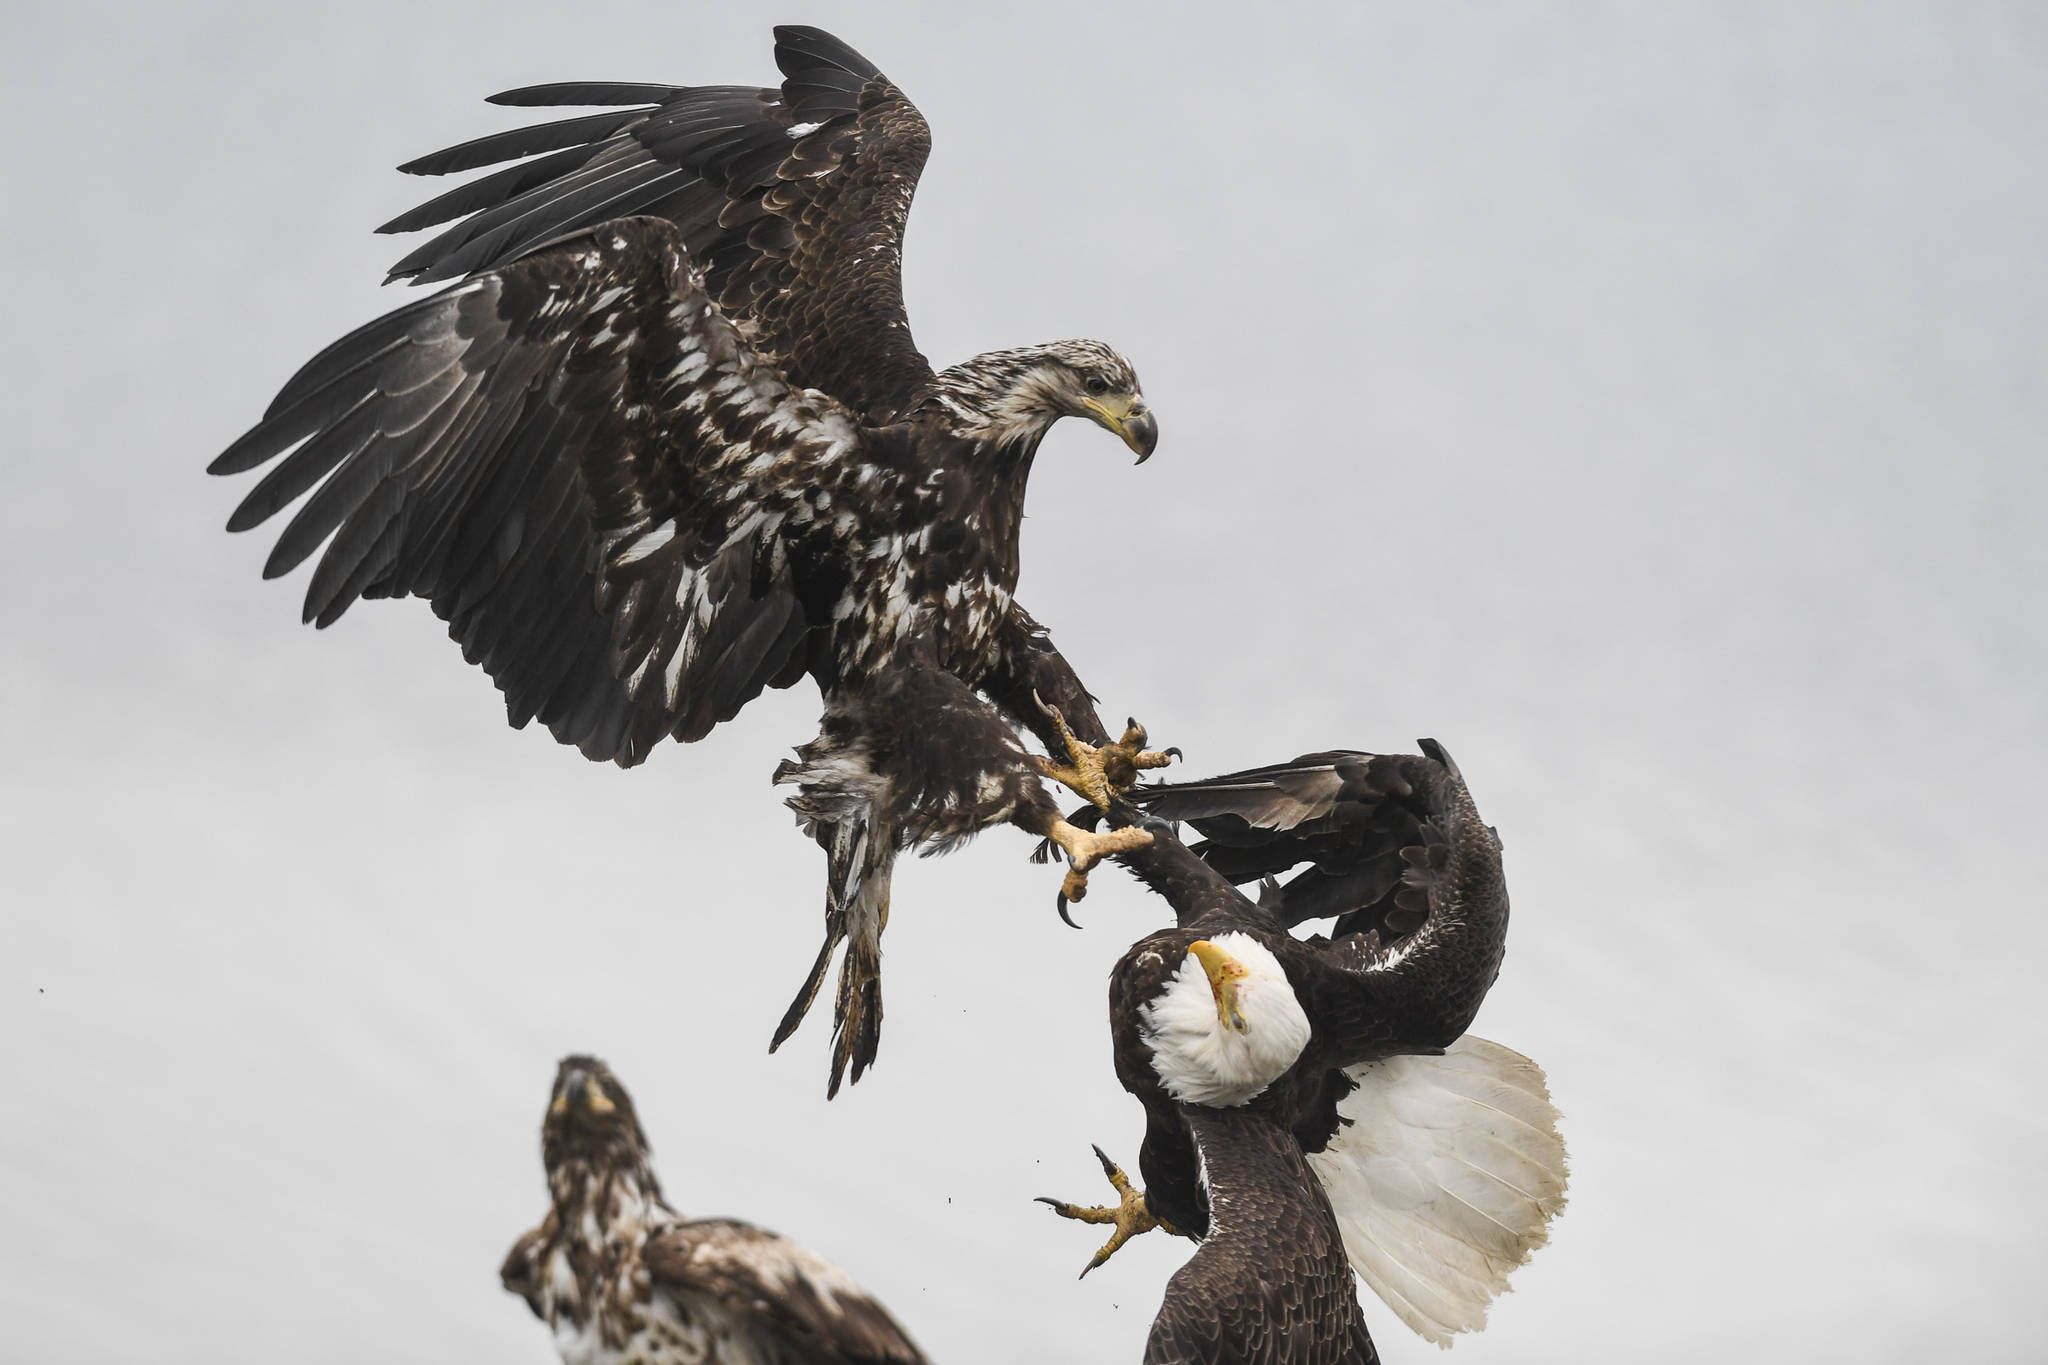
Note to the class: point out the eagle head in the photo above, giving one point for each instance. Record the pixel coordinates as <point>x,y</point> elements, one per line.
<point>1013,396</point>
<point>1226,1024</point>
<point>591,1119</point>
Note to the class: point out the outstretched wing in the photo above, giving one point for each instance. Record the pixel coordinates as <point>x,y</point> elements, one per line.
<point>1348,813</point>
<point>1257,804</point>
<point>585,470</point>
<point>1445,1176</point>
<point>793,199</point>
<point>799,1305</point>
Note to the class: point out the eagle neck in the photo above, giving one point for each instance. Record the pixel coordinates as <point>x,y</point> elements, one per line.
<point>1010,473</point>
<point>1242,1152</point>
<point>592,1199</point>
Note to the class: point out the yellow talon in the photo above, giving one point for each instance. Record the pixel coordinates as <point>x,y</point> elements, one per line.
<point>1085,848</point>
<point>1099,774</point>
<point>1131,1216</point>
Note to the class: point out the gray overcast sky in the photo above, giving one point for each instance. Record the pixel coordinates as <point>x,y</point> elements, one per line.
<point>1647,401</point>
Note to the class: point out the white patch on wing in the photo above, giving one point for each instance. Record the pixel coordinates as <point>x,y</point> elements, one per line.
<point>691,366</point>
<point>648,543</point>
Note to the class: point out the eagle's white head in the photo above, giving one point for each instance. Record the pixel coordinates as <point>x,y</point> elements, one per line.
<point>1226,1025</point>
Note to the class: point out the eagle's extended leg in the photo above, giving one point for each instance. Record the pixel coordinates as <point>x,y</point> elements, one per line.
<point>1131,1216</point>
<point>1085,848</point>
<point>1098,773</point>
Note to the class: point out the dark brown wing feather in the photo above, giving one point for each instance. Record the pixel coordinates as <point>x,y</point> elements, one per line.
<point>1347,813</point>
<point>584,469</point>
<point>794,201</point>
<point>805,1308</point>
<point>520,1274</point>
<point>1280,797</point>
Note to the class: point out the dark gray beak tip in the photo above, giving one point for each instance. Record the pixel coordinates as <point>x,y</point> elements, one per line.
<point>1142,432</point>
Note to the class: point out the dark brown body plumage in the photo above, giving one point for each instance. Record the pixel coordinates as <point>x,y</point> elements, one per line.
<point>1270,1284</point>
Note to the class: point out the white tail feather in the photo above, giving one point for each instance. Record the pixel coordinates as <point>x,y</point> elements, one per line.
<point>1444,1180</point>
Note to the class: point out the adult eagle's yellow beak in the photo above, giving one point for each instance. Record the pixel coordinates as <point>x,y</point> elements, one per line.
<point>1128,417</point>
<point>1224,973</point>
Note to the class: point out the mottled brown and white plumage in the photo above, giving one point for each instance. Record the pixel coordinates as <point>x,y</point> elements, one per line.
<point>623,1279</point>
<point>646,466</point>
<point>1323,1093</point>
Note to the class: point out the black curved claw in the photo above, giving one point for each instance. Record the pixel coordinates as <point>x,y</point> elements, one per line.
<point>1175,752</point>
<point>1064,916</point>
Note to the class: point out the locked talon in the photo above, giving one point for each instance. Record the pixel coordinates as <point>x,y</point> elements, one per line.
<point>1087,848</point>
<point>1099,772</point>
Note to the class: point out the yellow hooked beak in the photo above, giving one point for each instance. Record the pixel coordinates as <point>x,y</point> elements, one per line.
<point>1224,973</point>
<point>1128,417</point>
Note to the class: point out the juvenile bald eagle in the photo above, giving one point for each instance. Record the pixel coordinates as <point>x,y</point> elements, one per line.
<point>1436,1152</point>
<point>623,1279</point>
<point>646,466</point>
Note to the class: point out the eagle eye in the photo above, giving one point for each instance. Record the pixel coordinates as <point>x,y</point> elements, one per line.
<point>1096,385</point>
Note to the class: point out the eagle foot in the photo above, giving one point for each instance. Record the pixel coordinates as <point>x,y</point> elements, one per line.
<point>1130,1216</point>
<point>1098,774</point>
<point>1085,848</point>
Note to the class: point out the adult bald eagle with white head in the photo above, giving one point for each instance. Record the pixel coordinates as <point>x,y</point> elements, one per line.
<point>668,442</point>
<point>1315,1106</point>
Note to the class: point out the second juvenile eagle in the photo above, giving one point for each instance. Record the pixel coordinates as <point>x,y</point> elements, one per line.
<point>669,443</point>
<point>621,1278</point>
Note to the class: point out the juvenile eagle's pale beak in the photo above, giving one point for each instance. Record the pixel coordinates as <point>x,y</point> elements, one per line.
<point>1129,418</point>
<point>1224,972</point>
<point>581,1091</point>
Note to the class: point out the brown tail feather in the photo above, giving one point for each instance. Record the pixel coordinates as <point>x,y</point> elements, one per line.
<point>857,1017</point>
<point>859,859</point>
<point>835,931</point>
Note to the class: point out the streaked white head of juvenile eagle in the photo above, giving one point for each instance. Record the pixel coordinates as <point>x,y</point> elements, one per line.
<point>1226,1025</point>
<point>1012,397</point>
